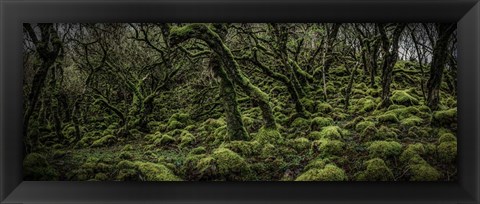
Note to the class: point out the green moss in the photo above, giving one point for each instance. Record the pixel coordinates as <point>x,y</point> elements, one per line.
<point>403,98</point>
<point>198,150</point>
<point>126,155</point>
<point>411,121</point>
<point>411,151</point>
<point>324,108</point>
<point>445,118</point>
<point>318,122</point>
<point>104,141</point>
<point>328,147</point>
<point>384,149</point>
<point>212,124</point>
<point>384,133</point>
<point>376,170</point>
<point>331,132</point>
<point>155,172</point>
<point>369,132</point>
<point>164,140</point>
<point>316,164</point>
<point>36,168</point>
<point>266,135</point>
<point>186,138</point>
<point>447,151</point>
<point>173,125</point>
<point>244,148</point>
<point>309,105</point>
<point>329,173</point>
<point>417,132</point>
<point>135,133</point>
<point>388,118</point>
<point>368,105</point>
<point>300,144</point>
<point>423,172</point>
<point>153,137</point>
<point>101,177</point>
<point>301,123</point>
<point>127,147</point>
<point>447,137</point>
<point>224,164</point>
<point>362,125</point>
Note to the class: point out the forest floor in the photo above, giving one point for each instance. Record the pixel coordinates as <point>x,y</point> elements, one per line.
<point>406,141</point>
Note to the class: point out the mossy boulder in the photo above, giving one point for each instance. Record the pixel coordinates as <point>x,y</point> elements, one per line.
<point>412,151</point>
<point>445,118</point>
<point>385,132</point>
<point>403,98</point>
<point>384,149</point>
<point>324,108</point>
<point>300,144</point>
<point>224,164</point>
<point>266,135</point>
<point>363,124</point>
<point>376,170</point>
<point>328,147</point>
<point>331,132</point>
<point>300,123</point>
<point>423,172</point>
<point>318,122</point>
<point>387,118</point>
<point>244,148</point>
<point>447,151</point>
<point>198,150</point>
<point>104,141</point>
<point>164,140</point>
<point>329,173</point>
<point>186,138</point>
<point>155,172</point>
<point>447,137</point>
<point>411,121</point>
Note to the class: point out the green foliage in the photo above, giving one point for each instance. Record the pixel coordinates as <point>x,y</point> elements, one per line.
<point>447,137</point>
<point>423,172</point>
<point>300,123</point>
<point>331,132</point>
<point>266,135</point>
<point>224,164</point>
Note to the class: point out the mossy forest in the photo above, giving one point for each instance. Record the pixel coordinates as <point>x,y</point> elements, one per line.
<point>240,102</point>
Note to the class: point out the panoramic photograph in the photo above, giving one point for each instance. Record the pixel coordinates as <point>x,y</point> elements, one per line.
<point>240,102</point>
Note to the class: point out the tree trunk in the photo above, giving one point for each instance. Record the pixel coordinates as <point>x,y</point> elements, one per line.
<point>390,49</point>
<point>440,54</point>
<point>201,31</point>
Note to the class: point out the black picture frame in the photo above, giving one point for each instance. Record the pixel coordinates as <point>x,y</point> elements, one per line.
<point>13,13</point>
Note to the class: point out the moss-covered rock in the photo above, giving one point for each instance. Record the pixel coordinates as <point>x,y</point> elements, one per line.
<point>329,173</point>
<point>186,138</point>
<point>300,144</point>
<point>387,118</point>
<point>266,135</point>
<point>318,122</point>
<point>403,98</point>
<point>360,127</point>
<point>198,150</point>
<point>376,170</point>
<point>384,149</point>
<point>224,164</point>
<point>104,141</point>
<point>331,132</point>
<point>164,140</point>
<point>412,151</point>
<point>300,123</point>
<point>244,148</point>
<point>423,172</point>
<point>446,118</point>
<point>385,132</point>
<point>324,108</point>
<point>155,172</point>
<point>411,121</point>
<point>328,147</point>
<point>447,137</point>
<point>447,151</point>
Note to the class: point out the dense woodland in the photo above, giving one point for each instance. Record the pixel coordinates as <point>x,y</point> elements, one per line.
<point>240,102</point>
